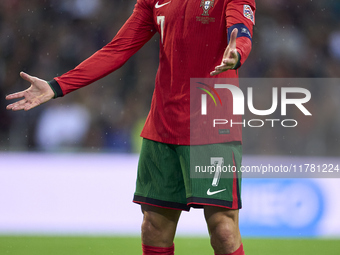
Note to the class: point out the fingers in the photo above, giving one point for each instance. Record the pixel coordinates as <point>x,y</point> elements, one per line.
<point>232,41</point>
<point>15,95</point>
<point>23,105</point>
<point>30,106</point>
<point>220,69</point>
<point>232,58</point>
<point>20,105</point>
<point>214,73</point>
<point>26,77</point>
<point>20,94</point>
<point>227,63</point>
<point>35,95</point>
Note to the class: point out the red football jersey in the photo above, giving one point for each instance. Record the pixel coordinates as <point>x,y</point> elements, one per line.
<point>193,37</point>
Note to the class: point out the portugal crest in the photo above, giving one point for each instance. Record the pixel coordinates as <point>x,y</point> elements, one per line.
<point>206,5</point>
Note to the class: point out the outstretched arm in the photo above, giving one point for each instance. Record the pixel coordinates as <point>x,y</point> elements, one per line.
<point>240,19</point>
<point>138,29</point>
<point>38,93</point>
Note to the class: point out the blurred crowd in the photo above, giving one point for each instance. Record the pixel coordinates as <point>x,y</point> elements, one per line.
<point>46,38</point>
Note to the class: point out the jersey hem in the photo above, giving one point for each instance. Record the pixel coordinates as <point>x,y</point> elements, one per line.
<point>160,203</point>
<point>194,202</point>
<point>197,202</point>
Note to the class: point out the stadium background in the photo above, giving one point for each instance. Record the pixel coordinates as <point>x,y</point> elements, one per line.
<point>62,164</point>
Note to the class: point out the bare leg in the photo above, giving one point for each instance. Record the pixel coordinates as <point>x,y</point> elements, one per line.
<point>159,226</point>
<point>223,227</point>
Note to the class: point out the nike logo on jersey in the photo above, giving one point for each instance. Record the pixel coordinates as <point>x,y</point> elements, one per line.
<point>210,193</point>
<point>161,5</point>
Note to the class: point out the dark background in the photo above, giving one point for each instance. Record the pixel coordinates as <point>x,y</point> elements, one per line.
<point>48,37</point>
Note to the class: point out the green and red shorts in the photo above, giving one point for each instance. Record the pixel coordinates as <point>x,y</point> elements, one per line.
<point>180,176</point>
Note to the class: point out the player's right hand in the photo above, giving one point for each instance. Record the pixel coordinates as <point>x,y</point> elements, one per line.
<point>38,93</point>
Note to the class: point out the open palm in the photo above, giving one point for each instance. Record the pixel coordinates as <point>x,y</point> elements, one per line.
<point>230,56</point>
<point>38,93</point>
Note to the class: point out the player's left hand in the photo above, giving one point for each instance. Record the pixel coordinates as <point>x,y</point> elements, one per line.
<point>230,56</point>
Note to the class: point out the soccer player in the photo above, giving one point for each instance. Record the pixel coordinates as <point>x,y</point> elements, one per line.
<point>198,39</point>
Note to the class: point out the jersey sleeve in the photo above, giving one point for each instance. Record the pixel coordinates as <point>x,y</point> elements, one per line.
<point>137,30</point>
<point>240,14</point>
